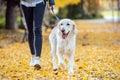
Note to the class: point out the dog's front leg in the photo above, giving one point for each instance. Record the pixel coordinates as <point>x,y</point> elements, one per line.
<point>53,54</point>
<point>71,64</point>
<point>54,63</point>
<point>60,58</point>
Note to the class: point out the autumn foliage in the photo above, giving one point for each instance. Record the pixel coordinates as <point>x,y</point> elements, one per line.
<point>63,3</point>
<point>97,55</point>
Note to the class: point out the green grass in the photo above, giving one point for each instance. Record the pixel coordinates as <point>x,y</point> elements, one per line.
<point>2,22</point>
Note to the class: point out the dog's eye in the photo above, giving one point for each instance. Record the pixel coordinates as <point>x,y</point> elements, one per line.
<point>68,24</point>
<point>61,24</point>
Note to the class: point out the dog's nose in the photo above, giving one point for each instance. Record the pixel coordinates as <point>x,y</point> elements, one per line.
<point>63,30</point>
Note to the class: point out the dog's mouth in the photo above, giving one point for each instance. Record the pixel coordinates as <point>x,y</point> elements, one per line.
<point>64,35</point>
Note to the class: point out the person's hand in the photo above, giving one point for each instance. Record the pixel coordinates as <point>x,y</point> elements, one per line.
<point>49,6</point>
<point>52,7</point>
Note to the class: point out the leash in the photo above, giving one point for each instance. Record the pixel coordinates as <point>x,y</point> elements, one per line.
<point>57,18</point>
<point>52,9</point>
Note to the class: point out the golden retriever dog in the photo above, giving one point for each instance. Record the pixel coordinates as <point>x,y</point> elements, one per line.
<point>63,41</point>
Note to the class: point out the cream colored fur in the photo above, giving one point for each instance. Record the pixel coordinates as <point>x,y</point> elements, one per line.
<point>61,47</point>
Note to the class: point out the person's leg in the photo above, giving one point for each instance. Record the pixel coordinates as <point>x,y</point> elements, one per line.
<point>37,27</point>
<point>28,14</point>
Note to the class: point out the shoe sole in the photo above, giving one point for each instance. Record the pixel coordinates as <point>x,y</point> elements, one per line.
<point>37,67</point>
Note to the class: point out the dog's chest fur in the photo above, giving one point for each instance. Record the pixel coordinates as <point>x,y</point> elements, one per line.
<point>66,46</point>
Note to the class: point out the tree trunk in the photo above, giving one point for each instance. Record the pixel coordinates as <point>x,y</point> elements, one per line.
<point>11,15</point>
<point>0,2</point>
<point>118,5</point>
<point>112,7</point>
<point>118,10</point>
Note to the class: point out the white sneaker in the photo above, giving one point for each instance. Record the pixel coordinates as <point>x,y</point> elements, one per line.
<point>36,61</point>
<point>32,61</point>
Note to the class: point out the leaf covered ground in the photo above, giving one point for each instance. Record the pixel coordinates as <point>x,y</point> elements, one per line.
<point>97,55</point>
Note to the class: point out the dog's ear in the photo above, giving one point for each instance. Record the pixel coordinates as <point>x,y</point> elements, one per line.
<point>75,31</point>
<point>58,26</point>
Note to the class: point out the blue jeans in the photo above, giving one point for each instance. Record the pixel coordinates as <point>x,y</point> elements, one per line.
<point>34,17</point>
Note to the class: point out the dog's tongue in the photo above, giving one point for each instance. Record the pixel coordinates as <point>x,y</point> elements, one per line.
<point>64,36</point>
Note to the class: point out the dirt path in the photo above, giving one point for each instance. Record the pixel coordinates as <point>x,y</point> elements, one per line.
<point>97,56</point>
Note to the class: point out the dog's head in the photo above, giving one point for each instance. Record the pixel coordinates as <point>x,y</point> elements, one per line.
<point>66,27</point>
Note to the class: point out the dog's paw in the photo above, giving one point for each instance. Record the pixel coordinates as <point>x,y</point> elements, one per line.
<point>55,71</point>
